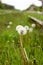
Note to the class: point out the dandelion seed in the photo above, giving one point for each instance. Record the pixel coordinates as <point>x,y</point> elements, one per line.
<point>26,27</point>
<point>30,29</point>
<point>10,23</point>
<point>33,25</point>
<point>8,26</point>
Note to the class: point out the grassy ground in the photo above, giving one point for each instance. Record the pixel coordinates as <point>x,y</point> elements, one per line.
<point>38,16</point>
<point>10,53</point>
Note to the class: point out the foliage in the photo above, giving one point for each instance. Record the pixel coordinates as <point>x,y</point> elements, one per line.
<point>5,6</point>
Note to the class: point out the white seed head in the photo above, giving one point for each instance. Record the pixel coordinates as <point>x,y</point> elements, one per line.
<point>33,25</point>
<point>26,27</point>
<point>18,27</point>
<point>8,26</point>
<point>30,29</point>
<point>10,23</point>
<point>21,30</point>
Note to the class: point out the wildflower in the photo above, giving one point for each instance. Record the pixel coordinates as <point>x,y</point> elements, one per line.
<point>8,26</point>
<point>26,27</point>
<point>10,23</point>
<point>30,29</point>
<point>21,30</point>
<point>33,25</point>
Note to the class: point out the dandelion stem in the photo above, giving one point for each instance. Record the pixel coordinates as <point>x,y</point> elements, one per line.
<point>23,52</point>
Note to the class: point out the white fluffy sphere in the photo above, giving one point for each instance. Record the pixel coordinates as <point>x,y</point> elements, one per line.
<point>26,27</point>
<point>33,25</point>
<point>30,29</point>
<point>18,27</point>
<point>21,30</point>
<point>10,22</point>
<point>8,26</point>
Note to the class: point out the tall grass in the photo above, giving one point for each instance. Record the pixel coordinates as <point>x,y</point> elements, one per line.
<point>10,53</point>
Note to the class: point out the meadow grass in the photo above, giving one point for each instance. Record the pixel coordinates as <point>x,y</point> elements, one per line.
<point>38,16</point>
<point>10,53</point>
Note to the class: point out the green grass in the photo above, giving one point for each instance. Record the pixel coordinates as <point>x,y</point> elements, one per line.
<point>38,16</point>
<point>10,53</point>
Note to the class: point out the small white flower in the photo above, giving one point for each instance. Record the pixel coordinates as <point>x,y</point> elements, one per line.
<point>10,23</point>
<point>33,25</point>
<point>26,27</point>
<point>30,29</point>
<point>8,26</point>
<point>21,30</point>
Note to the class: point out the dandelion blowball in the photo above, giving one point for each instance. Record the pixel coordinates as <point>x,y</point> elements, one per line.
<point>26,27</point>
<point>30,29</point>
<point>10,22</point>
<point>21,30</point>
<point>8,26</point>
<point>19,27</point>
<point>33,25</point>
